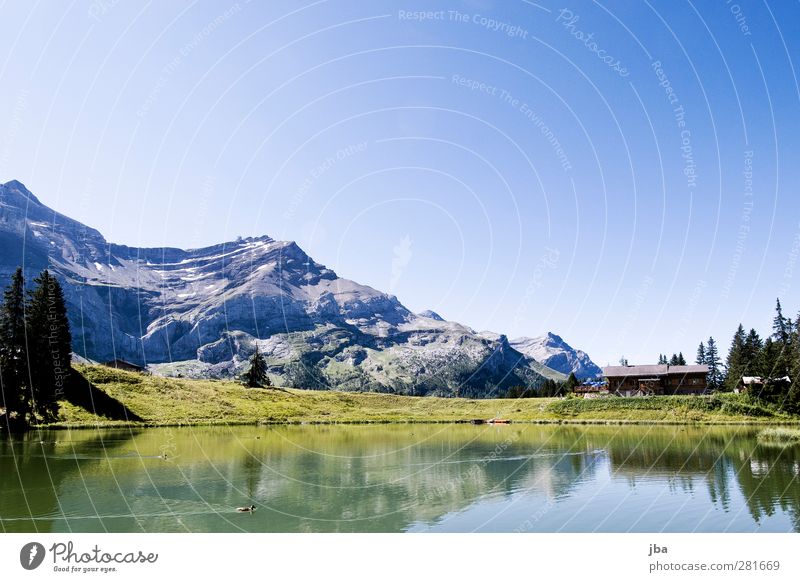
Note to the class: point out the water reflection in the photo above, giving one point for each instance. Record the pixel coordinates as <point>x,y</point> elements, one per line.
<point>400,478</point>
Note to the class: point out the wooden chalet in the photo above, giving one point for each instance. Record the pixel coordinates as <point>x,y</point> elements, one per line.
<point>656,380</point>
<point>755,384</point>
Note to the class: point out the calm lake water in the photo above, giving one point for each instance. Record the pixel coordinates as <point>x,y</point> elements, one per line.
<point>400,478</point>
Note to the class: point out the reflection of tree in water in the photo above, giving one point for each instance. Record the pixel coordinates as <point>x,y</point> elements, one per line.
<point>373,478</point>
<point>767,476</point>
<point>770,479</point>
<point>33,468</point>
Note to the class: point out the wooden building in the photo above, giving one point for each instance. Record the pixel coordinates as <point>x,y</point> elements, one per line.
<point>756,384</point>
<point>654,380</point>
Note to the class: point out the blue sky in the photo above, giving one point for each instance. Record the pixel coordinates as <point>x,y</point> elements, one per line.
<point>623,174</point>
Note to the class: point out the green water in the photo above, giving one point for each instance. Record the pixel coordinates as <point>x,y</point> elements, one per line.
<point>399,478</point>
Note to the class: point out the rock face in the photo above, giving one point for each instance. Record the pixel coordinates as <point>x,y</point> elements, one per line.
<point>201,312</point>
<point>555,353</point>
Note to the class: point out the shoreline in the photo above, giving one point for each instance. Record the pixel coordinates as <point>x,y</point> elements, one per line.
<point>367,422</point>
<point>109,398</point>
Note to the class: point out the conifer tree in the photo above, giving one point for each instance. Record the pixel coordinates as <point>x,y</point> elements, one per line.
<point>752,353</point>
<point>735,362</point>
<point>781,335</point>
<point>780,326</point>
<point>701,354</point>
<point>714,363</point>
<point>16,393</point>
<point>50,344</point>
<point>571,383</point>
<point>681,359</point>
<point>256,376</point>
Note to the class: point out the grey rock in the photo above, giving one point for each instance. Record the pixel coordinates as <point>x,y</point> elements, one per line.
<point>201,312</point>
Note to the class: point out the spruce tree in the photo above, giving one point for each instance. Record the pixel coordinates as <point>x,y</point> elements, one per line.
<point>793,396</point>
<point>681,359</point>
<point>16,393</point>
<point>701,354</point>
<point>768,358</point>
<point>735,362</point>
<point>780,325</point>
<point>752,354</point>
<point>571,383</point>
<point>256,376</point>
<point>781,334</point>
<point>50,344</point>
<point>714,363</point>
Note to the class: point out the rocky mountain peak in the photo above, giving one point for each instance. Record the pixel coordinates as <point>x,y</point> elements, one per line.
<point>201,312</point>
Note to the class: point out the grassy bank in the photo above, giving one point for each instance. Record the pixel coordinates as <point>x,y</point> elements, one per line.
<point>170,401</point>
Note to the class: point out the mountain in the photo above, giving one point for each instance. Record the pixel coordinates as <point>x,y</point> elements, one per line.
<point>431,315</point>
<point>201,312</point>
<point>555,353</point>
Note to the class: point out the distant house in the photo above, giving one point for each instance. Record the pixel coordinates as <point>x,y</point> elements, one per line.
<point>654,380</point>
<point>755,384</point>
<point>124,365</point>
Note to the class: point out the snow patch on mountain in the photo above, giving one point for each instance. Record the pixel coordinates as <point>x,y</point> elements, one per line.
<point>203,312</point>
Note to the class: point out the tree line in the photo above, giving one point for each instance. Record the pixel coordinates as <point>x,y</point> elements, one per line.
<point>548,388</point>
<point>35,351</point>
<point>776,359</point>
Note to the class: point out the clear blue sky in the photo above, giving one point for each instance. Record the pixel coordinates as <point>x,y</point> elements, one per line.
<point>517,166</point>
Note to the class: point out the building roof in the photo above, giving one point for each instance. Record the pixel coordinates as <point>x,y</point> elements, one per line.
<point>747,380</point>
<point>690,369</point>
<point>653,370</point>
<point>634,370</point>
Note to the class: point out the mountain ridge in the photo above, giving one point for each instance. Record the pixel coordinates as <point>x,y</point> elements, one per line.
<point>202,312</point>
<point>552,351</point>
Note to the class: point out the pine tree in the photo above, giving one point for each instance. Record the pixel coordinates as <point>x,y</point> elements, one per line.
<point>673,361</point>
<point>735,362</point>
<point>701,354</point>
<point>714,363</point>
<point>662,359</point>
<point>793,397</point>
<point>752,354</point>
<point>781,334</point>
<point>571,383</point>
<point>681,359</point>
<point>256,376</point>
<point>768,358</point>
<point>50,344</point>
<point>16,393</point>
<point>780,325</point>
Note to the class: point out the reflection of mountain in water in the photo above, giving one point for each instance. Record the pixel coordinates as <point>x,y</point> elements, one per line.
<point>368,478</point>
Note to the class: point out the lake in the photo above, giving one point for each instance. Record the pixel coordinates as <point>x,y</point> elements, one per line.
<point>396,478</point>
